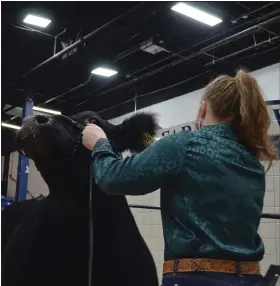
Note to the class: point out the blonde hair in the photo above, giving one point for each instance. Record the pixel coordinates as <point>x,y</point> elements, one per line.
<point>239,101</point>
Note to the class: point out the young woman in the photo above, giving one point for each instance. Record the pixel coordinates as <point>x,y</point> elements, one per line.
<point>212,185</point>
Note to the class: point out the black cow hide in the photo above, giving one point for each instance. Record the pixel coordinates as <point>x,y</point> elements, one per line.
<point>46,243</point>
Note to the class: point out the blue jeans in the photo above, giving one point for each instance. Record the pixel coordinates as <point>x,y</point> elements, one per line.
<point>210,279</point>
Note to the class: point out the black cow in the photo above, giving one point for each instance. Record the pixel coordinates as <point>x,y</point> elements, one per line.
<point>46,242</point>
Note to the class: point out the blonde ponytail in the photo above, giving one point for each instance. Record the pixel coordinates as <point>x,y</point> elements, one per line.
<point>254,117</point>
<point>239,101</point>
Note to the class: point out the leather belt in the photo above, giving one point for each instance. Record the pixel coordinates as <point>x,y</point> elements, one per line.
<point>210,265</point>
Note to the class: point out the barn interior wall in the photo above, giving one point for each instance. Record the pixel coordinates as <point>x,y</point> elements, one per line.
<point>171,113</point>
<point>186,106</point>
<point>36,184</point>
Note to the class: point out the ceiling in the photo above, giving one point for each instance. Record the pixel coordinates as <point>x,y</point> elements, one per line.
<point>190,53</point>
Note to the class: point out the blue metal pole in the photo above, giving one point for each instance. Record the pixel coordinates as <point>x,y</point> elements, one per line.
<point>23,162</point>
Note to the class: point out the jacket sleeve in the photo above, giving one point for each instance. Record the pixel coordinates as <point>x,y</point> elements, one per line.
<point>140,173</point>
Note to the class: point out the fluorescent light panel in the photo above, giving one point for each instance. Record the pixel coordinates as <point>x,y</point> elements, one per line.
<point>36,108</point>
<point>36,21</point>
<point>104,72</point>
<point>196,14</point>
<point>10,125</point>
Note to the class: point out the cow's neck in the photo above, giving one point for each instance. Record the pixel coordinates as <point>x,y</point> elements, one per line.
<point>66,186</point>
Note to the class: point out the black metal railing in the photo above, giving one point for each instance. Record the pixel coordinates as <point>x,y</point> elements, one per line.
<point>264,215</point>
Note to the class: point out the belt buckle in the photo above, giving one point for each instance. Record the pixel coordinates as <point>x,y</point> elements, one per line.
<point>197,265</point>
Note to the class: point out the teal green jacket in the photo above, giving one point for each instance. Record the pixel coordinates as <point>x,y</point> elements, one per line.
<point>212,191</point>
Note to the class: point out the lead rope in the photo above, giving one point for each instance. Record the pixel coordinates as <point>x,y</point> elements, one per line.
<point>91,230</point>
<point>91,234</point>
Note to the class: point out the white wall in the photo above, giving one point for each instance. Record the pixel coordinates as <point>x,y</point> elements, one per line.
<point>36,184</point>
<point>184,108</point>
<point>171,113</point>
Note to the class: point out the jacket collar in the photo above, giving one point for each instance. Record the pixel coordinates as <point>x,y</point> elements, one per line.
<point>221,130</point>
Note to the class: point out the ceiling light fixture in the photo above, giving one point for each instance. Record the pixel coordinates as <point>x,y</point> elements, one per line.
<point>36,21</point>
<point>45,110</point>
<point>10,126</point>
<point>196,14</point>
<point>104,72</point>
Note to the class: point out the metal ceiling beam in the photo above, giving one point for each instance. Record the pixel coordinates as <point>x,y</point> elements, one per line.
<point>81,42</point>
<point>269,41</point>
<point>219,35</point>
<point>241,34</point>
<point>220,43</point>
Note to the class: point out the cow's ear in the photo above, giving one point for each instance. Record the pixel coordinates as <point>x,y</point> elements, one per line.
<point>136,133</point>
<point>84,117</point>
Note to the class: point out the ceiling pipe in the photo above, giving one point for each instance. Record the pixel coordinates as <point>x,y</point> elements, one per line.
<point>241,34</point>
<point>81,42</point>
<point>242,51</point>
<point>127,53</point>
<point>197,44</point>
<point>54,98</point>
<point>202,51</point>
<point>191,56</point>
<point>141,95</point>
<point>69,91</point>
<point>229,39</point>
<point>254,11</point>
<point>202,42</point>
<point>155,91</point>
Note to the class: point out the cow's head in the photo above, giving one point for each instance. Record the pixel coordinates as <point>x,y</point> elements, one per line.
<point>54,144</point>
